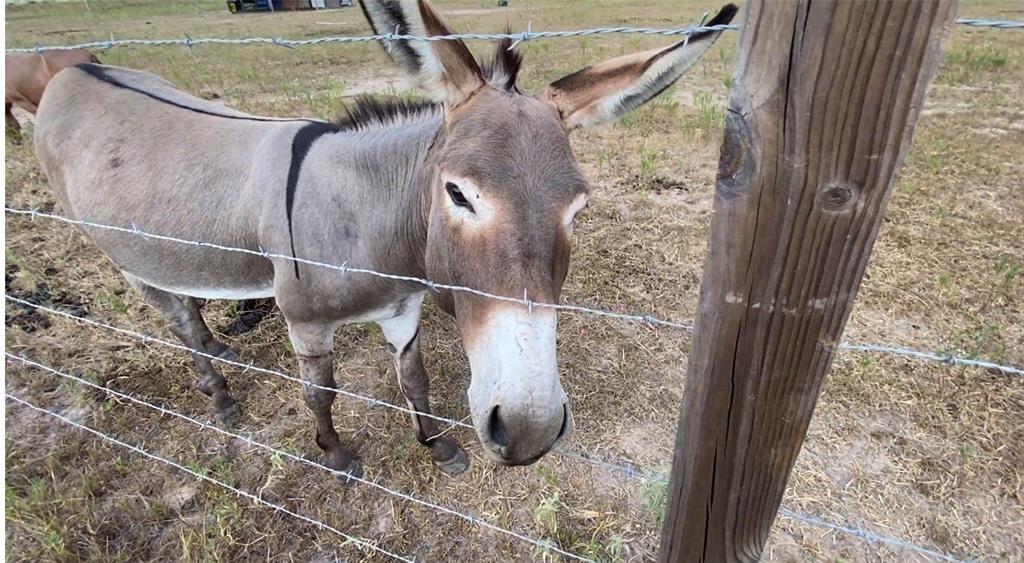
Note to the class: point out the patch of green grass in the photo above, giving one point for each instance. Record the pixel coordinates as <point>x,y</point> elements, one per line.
<point>35,508</point>
<point>984,341</point>
<point>655,495</point>
<point>24,274</point>
<point>116,303</point>
<point>53,542</point>
<point>648,164</point>
<point>1007,269</point>
<point>928,156</point>
<point>971,63</point>
<point>967,451</point>
<point>614,548</point>
<point>547,475</point>
<point>590,548</point>
<point>617,547</point>
<point>709,117</point>
<point>545,514</point>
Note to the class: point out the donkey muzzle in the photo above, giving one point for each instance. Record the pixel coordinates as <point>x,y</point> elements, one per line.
<point>518,405</point>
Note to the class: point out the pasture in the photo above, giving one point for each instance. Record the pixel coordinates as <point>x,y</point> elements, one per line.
<point>922,451</point>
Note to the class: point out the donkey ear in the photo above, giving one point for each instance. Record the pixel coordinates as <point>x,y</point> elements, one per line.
<point>608,90</point>
<point>445,70</point>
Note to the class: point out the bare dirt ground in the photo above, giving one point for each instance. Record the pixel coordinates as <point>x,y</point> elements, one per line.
<point>927,452</point>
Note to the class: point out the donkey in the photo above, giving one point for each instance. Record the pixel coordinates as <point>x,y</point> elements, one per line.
<point>478,188</point>
<point>26,76</point>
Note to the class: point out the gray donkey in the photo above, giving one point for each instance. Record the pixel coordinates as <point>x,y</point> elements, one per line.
<point>478,187</point>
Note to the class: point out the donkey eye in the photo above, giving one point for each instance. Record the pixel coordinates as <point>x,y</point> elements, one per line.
<point>457,198</point>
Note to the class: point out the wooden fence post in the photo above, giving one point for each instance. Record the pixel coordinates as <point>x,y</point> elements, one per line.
<point>823,106</point>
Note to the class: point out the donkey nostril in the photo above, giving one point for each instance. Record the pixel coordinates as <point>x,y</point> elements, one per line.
<point>565,423</point>
<point>497,429</point>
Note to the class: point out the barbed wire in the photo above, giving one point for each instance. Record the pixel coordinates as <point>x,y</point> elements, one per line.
<point>867,535</point>
<point>248,439</point>
<point>931,356</point>
<point>244,494</point>
<point>528,35</point>
<point>146,338</point>
<point>344,268</point>
<point>619,466</point>
<point>648,319</point>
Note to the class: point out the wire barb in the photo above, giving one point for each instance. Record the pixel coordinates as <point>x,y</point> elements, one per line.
<point>283,43</point>
<point>389,38</point>
<point>137,231</point>
<point>525,36</point>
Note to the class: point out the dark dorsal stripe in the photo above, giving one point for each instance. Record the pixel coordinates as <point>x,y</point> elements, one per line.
<point>99,72</point>
<point>303,140</point>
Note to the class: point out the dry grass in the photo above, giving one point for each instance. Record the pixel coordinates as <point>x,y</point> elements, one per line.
<point>927,452</point>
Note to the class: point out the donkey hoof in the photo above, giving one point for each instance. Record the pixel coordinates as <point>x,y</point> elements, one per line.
<point>456,465</point>
<point>349,472</point>
<point>226,411</point>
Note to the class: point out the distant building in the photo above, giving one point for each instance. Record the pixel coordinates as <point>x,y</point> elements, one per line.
<point>235,6</point>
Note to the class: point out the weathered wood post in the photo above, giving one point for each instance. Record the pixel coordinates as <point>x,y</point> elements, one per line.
<point>822,110</point>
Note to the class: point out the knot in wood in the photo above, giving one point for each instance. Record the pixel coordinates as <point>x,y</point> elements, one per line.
<point>736,164</point>
<point>837,197</point>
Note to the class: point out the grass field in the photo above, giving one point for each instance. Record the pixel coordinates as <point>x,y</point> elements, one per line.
<point>927,452</point>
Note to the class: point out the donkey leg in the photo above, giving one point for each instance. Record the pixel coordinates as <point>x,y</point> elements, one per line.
<point>403,336</point>
<point>187,324</point>
<point>212,346</point>
<point>12,122</point>
<point>312,343</point>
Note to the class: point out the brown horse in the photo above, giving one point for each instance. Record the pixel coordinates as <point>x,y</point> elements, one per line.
<point>27,75</point>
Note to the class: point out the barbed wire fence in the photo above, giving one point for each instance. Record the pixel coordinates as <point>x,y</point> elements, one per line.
<point>527,35</point>
<point>650,320</point>
<point>344,268</point>
<point>862,533</point>
<point>626,468</point>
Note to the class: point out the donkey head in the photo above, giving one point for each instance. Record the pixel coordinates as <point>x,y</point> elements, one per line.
<point>504,194</point>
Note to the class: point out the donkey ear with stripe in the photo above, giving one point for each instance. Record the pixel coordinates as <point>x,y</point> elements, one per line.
<point>606,91</point>
<point>445,70</point>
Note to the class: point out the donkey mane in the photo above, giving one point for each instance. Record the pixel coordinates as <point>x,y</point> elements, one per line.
<point>371,112</point>
<point>503,68</point>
